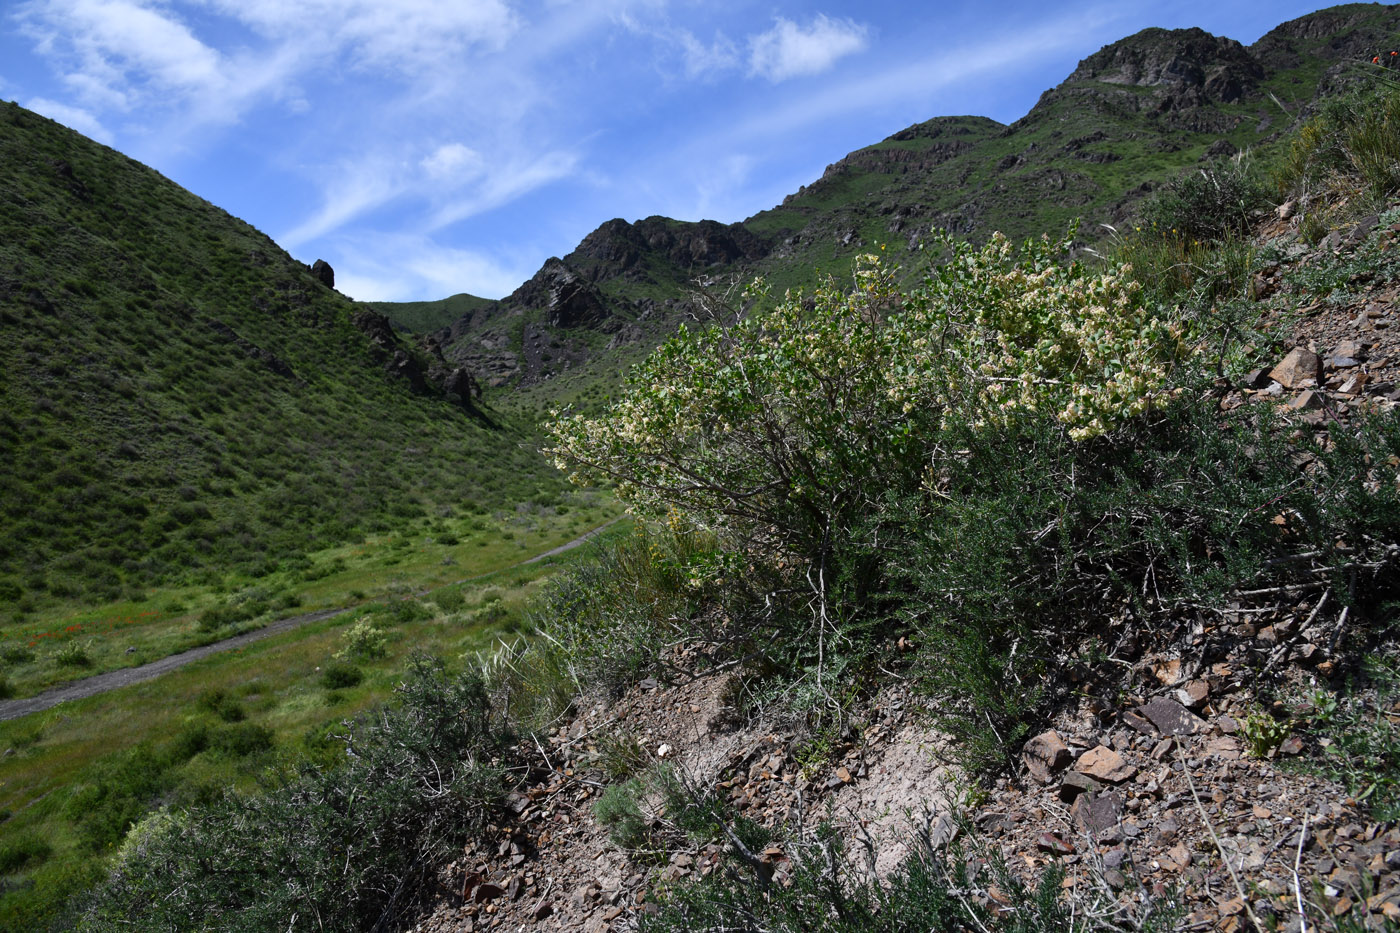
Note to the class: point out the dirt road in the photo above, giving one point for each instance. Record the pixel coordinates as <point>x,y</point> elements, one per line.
<point>101,683</point>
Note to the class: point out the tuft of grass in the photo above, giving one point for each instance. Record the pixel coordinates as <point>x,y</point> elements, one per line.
<point>1352,143</point>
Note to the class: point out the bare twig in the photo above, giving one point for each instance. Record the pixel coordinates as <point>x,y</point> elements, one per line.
<point>1297,885</point>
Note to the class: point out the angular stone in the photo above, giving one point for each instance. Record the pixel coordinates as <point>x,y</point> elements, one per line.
<point>1177,858</point>
<point>1139,722</point>
<point>1256,379</point>
<point>1105,764</point>
<point>1054,843</point>
<point>1305,401</point>
<point>1044,755</point>
<point>1354,385</point>
<point>1073,784</point>
<point>1193,694</point>
<point>1097,813</point>
<point>1295,369</point>
<point>1351,349</point>
<point>1225,747</point>
<point>1170,717</point>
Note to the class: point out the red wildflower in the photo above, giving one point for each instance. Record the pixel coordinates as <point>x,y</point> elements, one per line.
<point>1375,60</point>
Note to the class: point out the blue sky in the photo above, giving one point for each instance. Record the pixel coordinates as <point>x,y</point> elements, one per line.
<point>428,147</point>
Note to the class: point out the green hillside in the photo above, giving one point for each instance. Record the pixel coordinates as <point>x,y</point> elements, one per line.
<point>421,317</point>
<point>180,398</point>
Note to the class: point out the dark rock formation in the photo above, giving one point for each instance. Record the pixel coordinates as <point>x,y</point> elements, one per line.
<point>462,383</point>
<point>385,348</point>
<point>404,366</point>
<point>568,299</point>
<point>1175,60</point>
<point>324,273</point>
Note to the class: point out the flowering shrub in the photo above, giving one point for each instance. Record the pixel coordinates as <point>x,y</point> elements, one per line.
<point>363,641</point>
<point>789,421</point>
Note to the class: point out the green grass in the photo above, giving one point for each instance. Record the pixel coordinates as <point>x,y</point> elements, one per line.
<point>414,558</point>
<point>423,317</point>
<point>76,775</point>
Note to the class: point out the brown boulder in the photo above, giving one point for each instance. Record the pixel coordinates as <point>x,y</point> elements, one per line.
<point>1105,764</point>
<point>1295,369</point>
<point>1044,755</point>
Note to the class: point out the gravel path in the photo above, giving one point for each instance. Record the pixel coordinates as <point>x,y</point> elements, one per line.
<point>101,683</point>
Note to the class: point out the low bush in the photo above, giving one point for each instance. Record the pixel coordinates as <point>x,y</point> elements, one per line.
<point>23,852</point>
<point>241,739</point>
<point>341,676</point>
<point>933,888</point>
<point>1207,204</point>
<point>72,654</point>
<point>336,849</point>
<point>1362,748</point>
<point>364,641</point>
<point>1353,141</point>
<point>222,705</point>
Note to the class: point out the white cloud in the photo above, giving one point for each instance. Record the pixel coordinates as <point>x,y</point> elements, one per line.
<point>453,162</point>
<point>789,51</point>
<point>406,267</point>
<point>75,118</point>
<point>702,59</point>
<point>113,44</point>
<point>406,35</point>
<point>352,189</point>
<point>506,183</point>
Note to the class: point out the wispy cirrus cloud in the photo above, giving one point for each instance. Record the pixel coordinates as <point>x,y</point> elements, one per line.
<point>505,183</point>
<point>789,50</point>
<point>399,35</point>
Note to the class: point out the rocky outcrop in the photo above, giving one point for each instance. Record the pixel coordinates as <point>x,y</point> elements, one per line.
<point>617,247</point>
<point>323,273</point>
<point>385,347</point>
<point>1177,60</point>
<point>568,299</point>
<point>463,384</point>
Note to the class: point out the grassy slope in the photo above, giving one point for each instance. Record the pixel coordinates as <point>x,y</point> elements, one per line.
<point>181,399</point>
<point>423,317</point>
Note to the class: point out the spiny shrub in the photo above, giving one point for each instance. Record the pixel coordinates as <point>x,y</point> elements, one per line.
<point>1033,541</point>
<point>336,849</point>
<point>931,889</point>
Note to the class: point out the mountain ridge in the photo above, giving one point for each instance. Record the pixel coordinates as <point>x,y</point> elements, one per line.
<point>1127,118</point>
